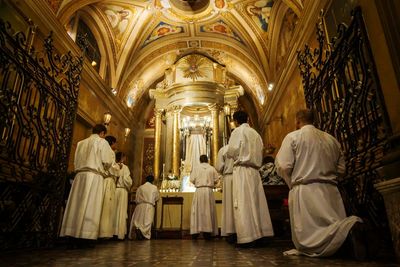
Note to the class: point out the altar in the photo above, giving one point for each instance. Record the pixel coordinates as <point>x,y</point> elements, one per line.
<point>172,213</point>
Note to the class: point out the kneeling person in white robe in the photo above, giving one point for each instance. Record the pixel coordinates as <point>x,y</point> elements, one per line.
<point>203,216</point>
<point>124,184</point>
<point>310,160</point>
<point>146,197</point>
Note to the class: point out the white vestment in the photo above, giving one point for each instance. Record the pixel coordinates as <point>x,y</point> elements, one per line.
<point>310,160</point>
<point>124,184</point>
<point>225,166</point>
<point>143,216</point>
<point>108,209</point>
<point>82,213</point>
<point>203,216</point>
<point>250,208</point>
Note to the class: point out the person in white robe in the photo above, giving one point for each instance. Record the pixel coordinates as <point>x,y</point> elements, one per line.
<point>250,208</point>
<point>108,210</point>
<point>124,184</point>
<point>142,219</point>
<point>203,215</point>
<point>225,167</point>
<point>310,162</point>
<point>93,158</point>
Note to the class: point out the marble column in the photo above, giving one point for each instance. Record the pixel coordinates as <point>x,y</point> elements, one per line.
<point>215,128</point>
<point>176,160</point>
<point>157,144</point>
<point>168,140</point>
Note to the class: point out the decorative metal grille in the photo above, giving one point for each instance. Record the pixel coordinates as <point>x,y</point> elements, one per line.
<point>341,83</point>
<point>38,101</point>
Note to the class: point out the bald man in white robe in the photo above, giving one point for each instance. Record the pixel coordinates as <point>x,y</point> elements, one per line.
<point>310,161</point>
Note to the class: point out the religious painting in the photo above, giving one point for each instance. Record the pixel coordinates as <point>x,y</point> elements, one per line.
<point>260,12</point>
<point>131,99</point>
<point>260,94</point>
<point>54,5</point>
<point>220,4</point>
<point>161,30</point>
<point>150,123</point>
<point>148,158</point>
<point>119,18</point>
<point>222,28</point>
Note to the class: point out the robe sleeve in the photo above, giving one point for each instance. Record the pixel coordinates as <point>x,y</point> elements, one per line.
<point>193,176</point>
<point>284,161</point>
<point>127,180</point>
<point>215,176</point>
<point>234,145</point>
<point>107,154</point>
<point>220,161</point>
<point>341,164</point>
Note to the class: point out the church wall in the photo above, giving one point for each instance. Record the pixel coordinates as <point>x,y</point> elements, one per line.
<point>288,103</point>
<point>386,72</point>
<point>95,97</point>
<point>283,118</point>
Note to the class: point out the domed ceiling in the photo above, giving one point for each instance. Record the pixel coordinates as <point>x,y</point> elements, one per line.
<point>139,40</point>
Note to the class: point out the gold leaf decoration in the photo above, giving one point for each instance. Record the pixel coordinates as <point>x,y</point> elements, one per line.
<point>194,66</point>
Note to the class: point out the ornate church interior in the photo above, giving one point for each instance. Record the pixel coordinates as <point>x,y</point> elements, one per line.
<point>165,78</point>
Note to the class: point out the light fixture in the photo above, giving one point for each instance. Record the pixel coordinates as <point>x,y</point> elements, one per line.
<point>227,109</point>
<point>107,118</point>
<point>270,86</point>
<point>114,91</point>
<point>94,63</point>
<point>127,131</point>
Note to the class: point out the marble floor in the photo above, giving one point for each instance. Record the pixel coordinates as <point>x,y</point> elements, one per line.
<point>175,253</point>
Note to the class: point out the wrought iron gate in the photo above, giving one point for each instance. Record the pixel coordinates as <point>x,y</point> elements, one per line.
<point>38,101</point>
<point>341,83</point>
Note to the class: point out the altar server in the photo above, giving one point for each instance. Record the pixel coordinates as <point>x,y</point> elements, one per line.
<point>250,208</point>
<point>310,161</point>
<point>146,197</point>
<point>93,157</point>
<point>108,210</point>
<point>124,183</point>
<point>225,167</point>
<point>203,216</point>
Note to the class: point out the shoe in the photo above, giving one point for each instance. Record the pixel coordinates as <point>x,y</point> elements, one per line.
<point>231,239</point>
<point>207,236</point>
<point>195,236</point>
<point>247,245</point>
<point>139,235</point>
<point>357,240</point>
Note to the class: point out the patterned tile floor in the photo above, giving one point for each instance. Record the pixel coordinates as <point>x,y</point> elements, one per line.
<point>175,253</point>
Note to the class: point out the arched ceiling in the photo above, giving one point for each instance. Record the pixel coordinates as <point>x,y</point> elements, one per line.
<point>141,39</point>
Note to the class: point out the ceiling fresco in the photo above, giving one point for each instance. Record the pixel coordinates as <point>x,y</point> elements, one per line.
<point>140,40</point>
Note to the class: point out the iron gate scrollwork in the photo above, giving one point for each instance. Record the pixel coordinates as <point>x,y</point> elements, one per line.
<point>341,84</point>
<point>38,102</point>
